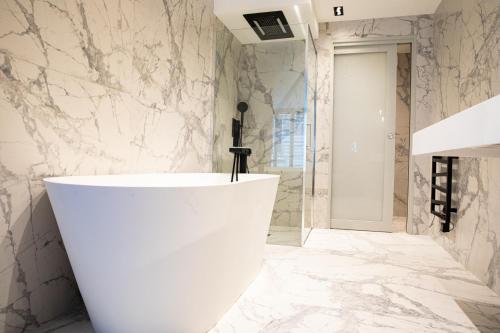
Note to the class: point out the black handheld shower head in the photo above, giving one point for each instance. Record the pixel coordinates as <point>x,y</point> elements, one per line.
<point>242,107</point>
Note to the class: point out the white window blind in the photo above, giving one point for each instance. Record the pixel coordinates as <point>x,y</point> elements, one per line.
<point>288,140</point>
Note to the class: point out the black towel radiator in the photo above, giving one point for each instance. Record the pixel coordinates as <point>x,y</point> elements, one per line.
<point>445,188</point>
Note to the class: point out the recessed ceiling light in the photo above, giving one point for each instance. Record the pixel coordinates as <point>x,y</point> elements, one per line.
<point>338,10</point>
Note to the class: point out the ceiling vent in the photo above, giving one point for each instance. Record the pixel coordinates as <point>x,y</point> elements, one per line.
<point>269,25</point>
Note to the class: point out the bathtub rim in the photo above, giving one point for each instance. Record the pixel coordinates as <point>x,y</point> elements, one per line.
<point>79,180</point>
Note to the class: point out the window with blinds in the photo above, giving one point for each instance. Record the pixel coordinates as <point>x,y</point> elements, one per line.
<point>288,140</point>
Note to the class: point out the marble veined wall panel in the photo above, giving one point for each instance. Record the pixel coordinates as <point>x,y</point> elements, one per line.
<point>90,87</point>
<point>227,60</point>
<point>467,62</point>
<point>403,107</point>
<point>271,81</point>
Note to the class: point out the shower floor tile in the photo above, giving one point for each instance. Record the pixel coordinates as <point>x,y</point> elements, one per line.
<point>284,236</point>
<point>355,281</point>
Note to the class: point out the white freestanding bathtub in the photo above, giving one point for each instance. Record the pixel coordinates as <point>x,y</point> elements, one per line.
<point>162,253</point>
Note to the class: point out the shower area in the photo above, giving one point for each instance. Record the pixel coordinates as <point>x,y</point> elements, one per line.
<point>277,79</point>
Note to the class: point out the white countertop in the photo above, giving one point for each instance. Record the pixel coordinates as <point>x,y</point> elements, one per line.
<point>474,132</point>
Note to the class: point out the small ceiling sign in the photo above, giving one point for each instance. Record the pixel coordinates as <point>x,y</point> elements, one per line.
<point>338,10</point>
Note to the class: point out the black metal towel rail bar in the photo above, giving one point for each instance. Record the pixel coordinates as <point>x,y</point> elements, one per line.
<point>442,200</point>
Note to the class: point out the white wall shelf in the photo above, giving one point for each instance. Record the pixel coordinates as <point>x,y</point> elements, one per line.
<point>474,132</point>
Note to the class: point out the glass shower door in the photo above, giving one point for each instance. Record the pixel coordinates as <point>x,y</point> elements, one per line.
<point>271,78</point>
<point>310,137</point>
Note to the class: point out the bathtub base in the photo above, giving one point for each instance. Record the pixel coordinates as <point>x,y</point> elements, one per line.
<point>163,258</point>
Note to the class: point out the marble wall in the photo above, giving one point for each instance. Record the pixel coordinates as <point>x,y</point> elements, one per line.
<point>467,62</point>
<point>227,60</point>
<point>90,87</point>
<point>421,27</point>
<point>270,78</point>
<point>403,107</point>
<point>126,86</point>
<point>271,81</point>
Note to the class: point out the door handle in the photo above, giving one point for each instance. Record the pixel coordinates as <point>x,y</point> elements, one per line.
<point>390,136</point>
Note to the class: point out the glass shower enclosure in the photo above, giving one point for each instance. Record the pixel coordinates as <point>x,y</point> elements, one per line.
<point>277,79</point>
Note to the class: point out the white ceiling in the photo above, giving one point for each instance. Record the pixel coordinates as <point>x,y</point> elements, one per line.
<point>368,9</point>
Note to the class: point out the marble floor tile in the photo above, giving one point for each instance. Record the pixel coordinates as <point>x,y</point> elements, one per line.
<point>355,281</point>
